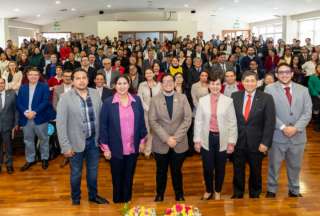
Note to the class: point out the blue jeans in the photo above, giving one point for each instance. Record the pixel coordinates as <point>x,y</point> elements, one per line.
<point>91,155</point>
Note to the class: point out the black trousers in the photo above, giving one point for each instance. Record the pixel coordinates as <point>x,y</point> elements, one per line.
<point>213,163</point>
<point>254,159</point>
<point>6,147</point>
<point>122,171</point>
<point>175,160</point>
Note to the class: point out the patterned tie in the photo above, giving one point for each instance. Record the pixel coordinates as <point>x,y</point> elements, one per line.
<point>247,108</point>
<point>288,94</point>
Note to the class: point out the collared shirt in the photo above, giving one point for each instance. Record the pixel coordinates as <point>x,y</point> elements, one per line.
<point>100,90</point>
<point>67,88</point>
<point>126,116</point>
<point>3,98</point>
<point>284,86</point>
<point>108,77</point>
<point>32,89</point>
<point>245,100</point>
<point>214,120</point>
<point>229,89</point>
<point>89,115</point>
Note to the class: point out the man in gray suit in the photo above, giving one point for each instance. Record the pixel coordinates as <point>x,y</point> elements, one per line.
<point>108,73</point>
<point>222,66</point>
<point>293,113</point>
<point>169,118</point>
<point>8,120</point>
<point>78,114</point>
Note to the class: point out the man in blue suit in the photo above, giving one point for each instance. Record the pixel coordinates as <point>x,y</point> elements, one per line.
<point>35,111</point>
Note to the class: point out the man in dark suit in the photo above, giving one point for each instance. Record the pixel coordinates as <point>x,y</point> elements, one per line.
<point>100,82</point>
<point>147,63</point>
<point>255,111</point>
<point>100,57</point>
<point>8,120</point>
<point>35,111</point>
<point>251,55</point>
<point>85,65</point>
<point>71,64</point>
<point>222,66</point>
<point>304,56</point>
<point>198,53</point>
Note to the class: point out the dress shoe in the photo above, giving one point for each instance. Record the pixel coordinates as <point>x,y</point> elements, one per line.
<point>180,199</point>
<point>158,198</point>
<point>99,200</point>
<point>270,194</point>
<point>75,202</point>
<point>10,169</point>
<point>45,164</point>
<point>208,197</point>
<point>291,194</point>
<point>27,165</point>
<point>237,196</point>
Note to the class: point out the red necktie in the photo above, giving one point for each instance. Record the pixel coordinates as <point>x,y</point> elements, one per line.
<point>288,94</point>
<point>247,108</point>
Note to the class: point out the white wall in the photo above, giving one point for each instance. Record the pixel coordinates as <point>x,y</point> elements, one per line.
<point>4,32</point>
<point>16,29</point>
<point>89,24</point>
<point>111,28</point>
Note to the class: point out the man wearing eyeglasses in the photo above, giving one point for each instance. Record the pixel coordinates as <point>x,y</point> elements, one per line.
<point>293,113</point>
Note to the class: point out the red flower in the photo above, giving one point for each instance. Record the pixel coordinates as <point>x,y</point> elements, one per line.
<point>179,208</point>
<point>188,209</point>
<point>168,211</point>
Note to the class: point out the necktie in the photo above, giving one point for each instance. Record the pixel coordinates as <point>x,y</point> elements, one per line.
<point>0,101</point>
<point>247,108</point>
<point>288,94</point>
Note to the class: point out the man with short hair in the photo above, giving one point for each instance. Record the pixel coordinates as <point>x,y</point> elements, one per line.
<point>35,111</point>
<point>78,114</point>
<point>8,121</point>
<point>108,73</point>
<point>231,85</point>
<point>293,113</point>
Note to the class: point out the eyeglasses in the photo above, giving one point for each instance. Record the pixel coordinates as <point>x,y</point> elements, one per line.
<point>284,72</point>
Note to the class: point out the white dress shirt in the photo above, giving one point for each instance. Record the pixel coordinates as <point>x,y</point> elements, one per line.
<point>3,98</point>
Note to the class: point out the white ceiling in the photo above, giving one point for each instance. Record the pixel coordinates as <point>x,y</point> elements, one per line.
<point>42,12</point>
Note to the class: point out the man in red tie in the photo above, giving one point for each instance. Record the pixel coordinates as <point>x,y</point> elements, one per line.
<point>255,111</point>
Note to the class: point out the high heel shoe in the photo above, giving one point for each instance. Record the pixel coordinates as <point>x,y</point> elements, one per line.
<point>207,198</point>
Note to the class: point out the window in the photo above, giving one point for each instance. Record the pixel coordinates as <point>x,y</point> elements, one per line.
<point>269,30</point>
<point>309,29</point>
<point>56,35</point>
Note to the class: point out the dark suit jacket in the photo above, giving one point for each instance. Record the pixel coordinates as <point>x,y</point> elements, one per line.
<point>106,93</point>
<point>245,61</point>
<point>69,66</point>
<point>8,115</point>
<point>91,75</point>
<point>217,69</point>
<point>261,123</point>
<point>110,130</point>
<point>40,104</point>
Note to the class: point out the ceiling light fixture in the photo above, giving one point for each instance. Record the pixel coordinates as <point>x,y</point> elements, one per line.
<point>73,9</point>
<point>236,1</point>
<point>108,6</point>
<point>275,8</point>
<point>58,2</point>
<point>38,15</point>
<point>186,5</point>
<point>16,10</point>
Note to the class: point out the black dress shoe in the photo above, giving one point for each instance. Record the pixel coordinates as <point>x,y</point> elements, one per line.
<point>99,200</point>
<point>45,164</point>
<point>207,198</point>
<point>27,165</point>
<point>180,199</point>
<point>10,169</point>
<point>270,194</point>
<point>237,196</point>
<point>294,195</point>
<point>158,198</point>
<point>75,202</point>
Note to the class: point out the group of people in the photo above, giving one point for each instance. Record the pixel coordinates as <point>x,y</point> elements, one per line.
<point>165,100</point>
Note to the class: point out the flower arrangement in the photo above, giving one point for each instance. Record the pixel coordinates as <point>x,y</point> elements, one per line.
<point>138,211</point>
<point>182,210</point>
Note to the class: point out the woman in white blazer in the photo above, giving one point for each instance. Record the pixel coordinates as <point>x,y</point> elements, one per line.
<point>215,135</point>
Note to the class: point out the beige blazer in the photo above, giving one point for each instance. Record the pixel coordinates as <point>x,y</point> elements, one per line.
<point>163,126</point>
<point>227,122</point>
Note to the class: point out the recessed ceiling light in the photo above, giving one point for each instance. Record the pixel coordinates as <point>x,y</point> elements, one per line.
<point>16,10</point>
<point>58,2</point>
<point>73,9</point>
<point>220,8</point>
<point>275,8</point>
<point>186,5</point>
<point>108,6</point>
<point>38,15</point>
<point>236,1</point>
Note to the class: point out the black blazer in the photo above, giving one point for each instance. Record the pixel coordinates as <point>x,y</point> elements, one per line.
<point>69,66</point>
<point>8,115</point>
<point>261,123</point>
<point>106,93</point>
<point>91,75</point>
